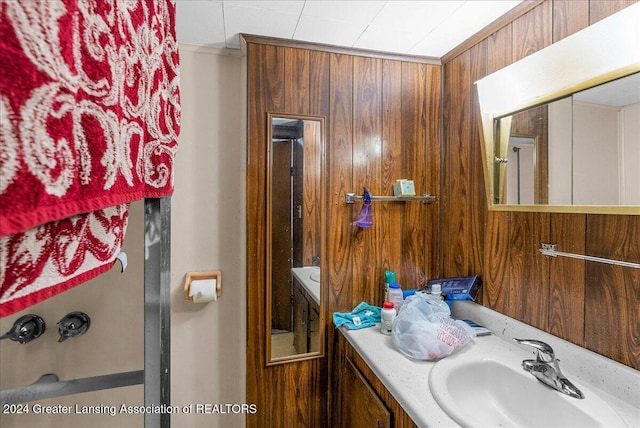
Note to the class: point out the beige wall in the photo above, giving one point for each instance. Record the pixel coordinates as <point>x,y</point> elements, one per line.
<point>602,171</point>
<point>630,155</point>
<point>208,233</point>
<point>114,343</point>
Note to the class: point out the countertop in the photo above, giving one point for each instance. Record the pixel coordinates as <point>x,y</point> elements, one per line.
<point>408,380</point>
<point>303,275</point>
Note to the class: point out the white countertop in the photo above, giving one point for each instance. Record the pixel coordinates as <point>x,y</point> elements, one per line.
<point>312,287</point>
<point>408,380</point>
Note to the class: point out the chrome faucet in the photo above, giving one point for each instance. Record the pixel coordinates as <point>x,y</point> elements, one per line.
<point>546,369</point>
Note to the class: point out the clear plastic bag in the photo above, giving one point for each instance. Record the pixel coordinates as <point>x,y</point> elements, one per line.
<point>424,329</point>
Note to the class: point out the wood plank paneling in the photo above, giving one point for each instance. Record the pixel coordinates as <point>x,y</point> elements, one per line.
<point>569,16</point>
<point>600,9</point>
<point>265,76</point>
<point>382,123</point>
<point>580,302</point>
<point>319,104</point>
<point>528,269</point>
<point>566,295</point>
<point>431,213</point>
<point>339,229</point>
<point>497,283</point>
<point>496,294</point>
<point>302,385</point>
<point>457,204</point>
<point>391,214</point>
<point>319,99</point>
<point>367,172</point>
<point>612,294</point>
<point>340,175</point>
<point>477,190</point>
<point>414,130</point>
<point>296,80</point>
<point>532,31</point>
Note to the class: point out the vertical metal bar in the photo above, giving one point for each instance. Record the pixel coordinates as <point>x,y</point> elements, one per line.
<point>517,150</point>
<point>157,338</point>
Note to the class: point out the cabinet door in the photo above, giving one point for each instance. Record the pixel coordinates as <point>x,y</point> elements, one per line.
<point>361,407</point>
<point>314,327</point>
<point>300,320</point>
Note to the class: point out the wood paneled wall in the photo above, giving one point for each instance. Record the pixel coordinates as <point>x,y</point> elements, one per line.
<point>591,304</point>
<point>383,122</point>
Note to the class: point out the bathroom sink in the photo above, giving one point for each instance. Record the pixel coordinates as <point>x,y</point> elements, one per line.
<point>483,392</point>
<point>315,275</point>
<point>309,278</point>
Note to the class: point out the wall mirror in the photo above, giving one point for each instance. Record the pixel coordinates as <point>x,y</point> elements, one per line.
<point>295,237</point>
<point>561,127</point>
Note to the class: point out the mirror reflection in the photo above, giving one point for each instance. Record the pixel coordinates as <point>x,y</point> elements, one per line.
<point>294,237</point>
<point>583,149</point>
<point>564,165</point>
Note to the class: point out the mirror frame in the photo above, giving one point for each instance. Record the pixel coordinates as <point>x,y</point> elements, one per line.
<point>270,361</point>
<point>589,55</point>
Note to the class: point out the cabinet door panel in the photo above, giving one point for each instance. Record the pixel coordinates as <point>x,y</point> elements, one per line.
<point>300,321</point>
<point>361,407</point>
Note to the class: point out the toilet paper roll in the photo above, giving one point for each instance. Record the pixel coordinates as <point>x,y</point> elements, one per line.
<point>203,290</point>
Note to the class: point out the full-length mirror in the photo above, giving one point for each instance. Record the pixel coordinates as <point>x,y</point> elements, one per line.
<point>295,195</point>
<point>561,127</point>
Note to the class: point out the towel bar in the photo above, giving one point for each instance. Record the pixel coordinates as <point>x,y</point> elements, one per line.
<point>551,250</point>
<point>48,386</point>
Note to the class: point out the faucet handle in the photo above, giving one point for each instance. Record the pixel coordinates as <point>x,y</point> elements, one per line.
<point>541,347</point>
<point>72,325</point>
<point>25,329</point>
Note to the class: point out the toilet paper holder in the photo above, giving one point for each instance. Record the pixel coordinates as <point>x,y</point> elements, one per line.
<point>197,276</point>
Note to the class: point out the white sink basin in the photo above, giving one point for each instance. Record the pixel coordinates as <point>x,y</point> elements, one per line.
<point>315,275</point>
<point>483,392</point>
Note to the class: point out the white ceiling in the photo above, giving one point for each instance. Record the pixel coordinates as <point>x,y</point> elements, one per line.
<point>425,28</point>
<point>618,93</point>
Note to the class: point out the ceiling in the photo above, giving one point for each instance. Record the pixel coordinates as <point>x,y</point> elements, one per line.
<point>425,28</point>
<point>618,93</point>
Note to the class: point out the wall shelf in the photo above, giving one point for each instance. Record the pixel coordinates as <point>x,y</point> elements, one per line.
<point>351,198</point>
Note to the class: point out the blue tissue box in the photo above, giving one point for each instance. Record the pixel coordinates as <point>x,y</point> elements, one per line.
<point>459,288</point>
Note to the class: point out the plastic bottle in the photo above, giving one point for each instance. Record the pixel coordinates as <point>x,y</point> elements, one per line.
<point>387,315</point>
<point>389,278</point>
<point>436,291</point>
<point>395,296</point>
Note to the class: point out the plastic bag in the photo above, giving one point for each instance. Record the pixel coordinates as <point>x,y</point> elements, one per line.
<point>424,329</point>
<point>365,216</point>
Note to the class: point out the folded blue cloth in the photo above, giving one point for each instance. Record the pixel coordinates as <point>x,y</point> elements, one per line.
<point>363,315</point>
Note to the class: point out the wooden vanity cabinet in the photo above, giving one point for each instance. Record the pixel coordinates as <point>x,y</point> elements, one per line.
<point>362,399</point>
<point>306,320</point>
<point>300,319</point>
<point>314,328</point>
<point>361,407</point>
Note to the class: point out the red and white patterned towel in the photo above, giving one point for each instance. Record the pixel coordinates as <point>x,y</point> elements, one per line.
<point>89,121</point>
